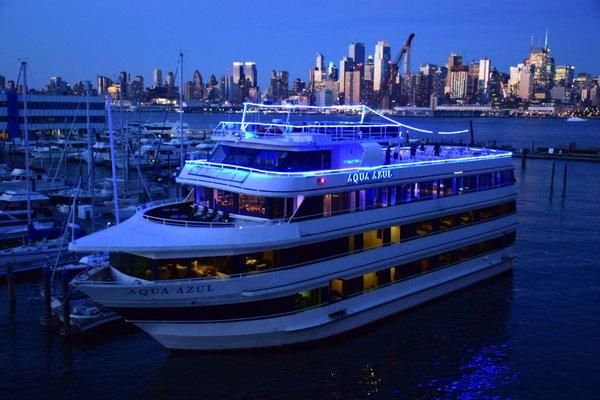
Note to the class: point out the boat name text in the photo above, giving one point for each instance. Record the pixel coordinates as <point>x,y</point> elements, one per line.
<point>359,177</point>
<point>177,290</point>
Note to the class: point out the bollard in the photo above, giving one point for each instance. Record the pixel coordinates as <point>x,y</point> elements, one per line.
<point>47,319</point>
<point>10,283</point>
<point>552,178</point>
<point>564,191</point>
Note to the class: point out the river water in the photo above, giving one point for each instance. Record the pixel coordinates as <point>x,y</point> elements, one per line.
<point>534,333</point>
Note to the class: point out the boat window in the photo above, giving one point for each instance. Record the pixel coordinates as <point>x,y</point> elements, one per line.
<point>272,160</point>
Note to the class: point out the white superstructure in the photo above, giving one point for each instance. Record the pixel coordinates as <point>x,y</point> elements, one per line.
<point>295,230</point>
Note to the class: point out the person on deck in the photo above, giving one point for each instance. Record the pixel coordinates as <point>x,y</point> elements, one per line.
<point>437,149</point>
<point>413,150</point>
<point>422,148</point>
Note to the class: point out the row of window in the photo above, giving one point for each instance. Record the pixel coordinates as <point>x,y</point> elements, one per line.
<point>53,119</point>
<point>272,160</point>
<point>294,256</point>
<point>336,290</point>
<point>58,105</point>
<point>347,202</point>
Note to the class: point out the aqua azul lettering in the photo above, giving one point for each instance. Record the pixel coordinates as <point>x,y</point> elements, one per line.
<point>360,177</point>
<point>176,291</point>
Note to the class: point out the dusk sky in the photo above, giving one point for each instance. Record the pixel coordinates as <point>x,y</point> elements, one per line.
<point>78,40</point>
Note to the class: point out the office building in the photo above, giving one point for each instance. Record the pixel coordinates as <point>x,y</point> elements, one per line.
<point>356,51</point>
<point>157,80</point>
<point>381,63</point>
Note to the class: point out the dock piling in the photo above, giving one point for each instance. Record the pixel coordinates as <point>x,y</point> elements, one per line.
<point>66,329</point>
<point>47,319</point>
<point>10,283</point>
<point>552,179</point>
<point>564,191</point>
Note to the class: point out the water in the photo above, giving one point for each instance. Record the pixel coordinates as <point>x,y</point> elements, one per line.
<point>534,333</point>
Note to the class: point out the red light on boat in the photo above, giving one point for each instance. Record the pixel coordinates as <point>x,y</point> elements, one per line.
<point>321,180</point>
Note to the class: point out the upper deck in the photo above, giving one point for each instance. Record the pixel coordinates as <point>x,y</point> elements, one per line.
<point>297,125</point>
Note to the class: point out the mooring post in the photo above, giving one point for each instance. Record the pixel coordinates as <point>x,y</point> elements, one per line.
<point>47,319</point>
<point>564,191</point>
<point>552,178</point>
<point>10,283</point>
<point>66,328</point>
<point>472,143</point>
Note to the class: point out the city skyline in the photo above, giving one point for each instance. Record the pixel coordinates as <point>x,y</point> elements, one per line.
<point>432,44</point>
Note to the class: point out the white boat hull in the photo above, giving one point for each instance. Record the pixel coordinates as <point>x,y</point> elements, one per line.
<point>323,322</point>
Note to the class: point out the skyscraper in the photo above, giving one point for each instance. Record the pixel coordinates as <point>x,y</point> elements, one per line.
<point>198,91</point>
<point>157,80</point>
<point>170,80</point>
<point>250,73</point>
<point>346,65</point>
<point>543,72</point>
<point>237,72</point>
<point>136,88</point>
<point>102,85</point>
<point>381,63</point>
<point>484,74</point>
<point>352,87</point>
<point>356,51</point>
<point>332,72</point>
<point>563,75</point>
<point>279,85</point>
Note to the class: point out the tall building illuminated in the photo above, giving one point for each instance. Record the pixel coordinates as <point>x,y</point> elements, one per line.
<point>381,63</point>
<point>237,72</point>
<point>157,80</point>
<point>563,75</point>
<point>484,74</point>
<point>250,73</point>
<point>356,51</point>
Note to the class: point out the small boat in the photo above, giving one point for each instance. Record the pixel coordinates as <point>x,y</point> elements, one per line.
<point>32,257</point>
<point>576,119</point>
<point>85,315</point>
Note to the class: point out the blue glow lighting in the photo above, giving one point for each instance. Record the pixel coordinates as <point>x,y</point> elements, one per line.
<point>495,154</point>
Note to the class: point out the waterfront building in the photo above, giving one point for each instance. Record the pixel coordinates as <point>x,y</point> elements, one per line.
<point>381,63</point>
<point>54,114</point>
<point>157,79</point>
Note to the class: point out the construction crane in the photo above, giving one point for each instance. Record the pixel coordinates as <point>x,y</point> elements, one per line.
<point>386,92</point>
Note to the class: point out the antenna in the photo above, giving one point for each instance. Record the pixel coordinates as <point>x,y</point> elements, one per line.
<point>546,40</point>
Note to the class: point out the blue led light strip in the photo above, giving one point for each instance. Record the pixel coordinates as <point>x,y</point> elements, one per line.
<point>497,155</point>
<point>364,109</point>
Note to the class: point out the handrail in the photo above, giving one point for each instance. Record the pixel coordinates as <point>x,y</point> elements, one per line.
<point>324,259</point>
<point>488,154</point>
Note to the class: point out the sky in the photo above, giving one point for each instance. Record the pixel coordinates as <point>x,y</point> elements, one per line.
<point>79,40</point>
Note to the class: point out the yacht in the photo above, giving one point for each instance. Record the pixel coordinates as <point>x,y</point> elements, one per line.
<point>13,213</point>
<point>39,180</point>
<point>295,231</point>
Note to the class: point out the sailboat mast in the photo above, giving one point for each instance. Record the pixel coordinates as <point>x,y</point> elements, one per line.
<point>26,138</point>
<point>91,161</point>
<point>113,164</point>
<point>182,158</point>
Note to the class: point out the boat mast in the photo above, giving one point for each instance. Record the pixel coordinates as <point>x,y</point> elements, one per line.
<point>182,158</point>
<point>91,161</point>
<point>111,134</point>
<point>26,137</point>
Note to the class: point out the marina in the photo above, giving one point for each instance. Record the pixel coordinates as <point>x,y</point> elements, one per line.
<point>357,200</point>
